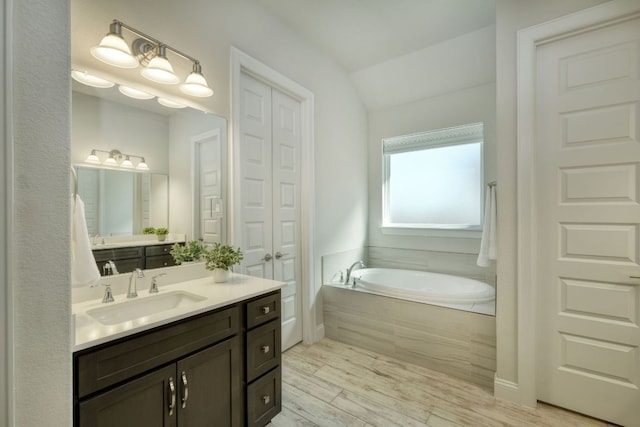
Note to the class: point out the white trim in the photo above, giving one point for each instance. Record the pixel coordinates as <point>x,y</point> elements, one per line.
<point>7,403</point>
<point>528,41</point>
<point>241,62</point>
<point>506,390</point>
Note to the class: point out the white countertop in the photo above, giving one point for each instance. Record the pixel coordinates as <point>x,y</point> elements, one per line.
<point>89,332</point>
<point>133,243</point>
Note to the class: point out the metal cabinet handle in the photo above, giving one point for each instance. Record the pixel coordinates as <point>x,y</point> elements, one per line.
<point>267,257</point>
<point>172,403</point>
<point>266,399</point>
<point>185,390</point>
<point>265,349</point>
<point>266,309</point>
<point>280,255</point>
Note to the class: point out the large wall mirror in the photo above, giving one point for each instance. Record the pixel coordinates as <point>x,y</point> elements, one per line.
<point>184,149</point>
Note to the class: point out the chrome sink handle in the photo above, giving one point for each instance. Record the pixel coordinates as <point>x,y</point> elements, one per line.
<point>154,284</point>
<point>108,296</point>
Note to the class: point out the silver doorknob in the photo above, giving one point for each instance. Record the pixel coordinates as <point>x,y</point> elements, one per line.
<point>280,255</point>
<point>267,257</point>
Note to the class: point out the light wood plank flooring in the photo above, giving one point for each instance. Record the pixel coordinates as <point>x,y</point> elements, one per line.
<point>334,384</point>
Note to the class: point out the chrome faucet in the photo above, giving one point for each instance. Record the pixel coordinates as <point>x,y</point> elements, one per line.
<point>133,291</point>
<point>154,283</point>
<point>108,295</point>
<point>360,263</point>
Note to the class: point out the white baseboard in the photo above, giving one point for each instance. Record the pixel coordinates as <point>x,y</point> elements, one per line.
<point>506,390</point>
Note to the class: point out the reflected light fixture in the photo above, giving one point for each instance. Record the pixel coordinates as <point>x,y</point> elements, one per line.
<point>134,93</point>
<point>91,80</point>
<point>116,158</point>
<point>151,53</point>
<point>169,103</point>
<point>113,49</point>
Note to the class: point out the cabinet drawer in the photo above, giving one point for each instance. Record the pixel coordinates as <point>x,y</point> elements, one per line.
<point>111,363</point>
<point>263,309</point>
<point>117,253</point>
<point>263,349</point>
<point>264,399</point>
<point>157,250</point>
<point>159,261</point>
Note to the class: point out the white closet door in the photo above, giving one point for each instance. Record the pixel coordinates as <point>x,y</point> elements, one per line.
<point>256,203</point>
<point>587,181</point>
<point>208,177</point>
<point>286,212</point>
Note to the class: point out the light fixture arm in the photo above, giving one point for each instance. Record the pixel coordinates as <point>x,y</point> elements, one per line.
<point>153,40</point>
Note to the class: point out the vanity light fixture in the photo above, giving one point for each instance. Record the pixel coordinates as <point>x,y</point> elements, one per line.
<point>151,53</point>
<point>117,159</point>
<point>91,80</point>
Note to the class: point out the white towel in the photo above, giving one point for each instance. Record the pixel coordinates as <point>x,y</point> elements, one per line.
<point>84,271</point>
<point>489,243</point>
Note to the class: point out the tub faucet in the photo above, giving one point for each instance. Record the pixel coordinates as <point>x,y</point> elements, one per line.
<point>360,263</point>
<point>133,291</point>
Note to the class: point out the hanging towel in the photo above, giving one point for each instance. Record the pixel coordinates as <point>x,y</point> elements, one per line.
<point>489,243</point>
<point>84,271</point>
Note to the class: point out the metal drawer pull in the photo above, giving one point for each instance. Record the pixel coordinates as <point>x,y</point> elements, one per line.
<point>266,309</point>
<point>172,404</point>
<point>185,390</point>
<point>265,349</point>
<point>266,399</point>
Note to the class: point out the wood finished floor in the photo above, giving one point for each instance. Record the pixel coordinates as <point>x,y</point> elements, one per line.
<point>334,384</point>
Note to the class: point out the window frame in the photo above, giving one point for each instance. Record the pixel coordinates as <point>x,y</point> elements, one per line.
<point>446,137</point>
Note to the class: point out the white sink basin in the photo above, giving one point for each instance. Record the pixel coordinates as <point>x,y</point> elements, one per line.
<point>115,313</point>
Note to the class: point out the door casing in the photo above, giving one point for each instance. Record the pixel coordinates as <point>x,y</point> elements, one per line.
<point>241,62</point>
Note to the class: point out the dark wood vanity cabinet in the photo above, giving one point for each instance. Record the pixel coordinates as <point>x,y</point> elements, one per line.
<point>129,258</point>
<point>210,369</point>
<point>263,376</point>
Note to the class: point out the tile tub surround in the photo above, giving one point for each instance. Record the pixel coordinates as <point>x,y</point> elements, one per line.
<point>458,343</point>
<point>331,383</point>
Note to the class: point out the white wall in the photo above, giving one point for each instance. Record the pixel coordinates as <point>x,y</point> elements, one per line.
<point>511,16</point>
<point>40,245</point>
<point>106,125</point>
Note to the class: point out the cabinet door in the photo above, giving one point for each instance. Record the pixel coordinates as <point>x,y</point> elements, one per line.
<point>209,388</point>
<point>144,402</point>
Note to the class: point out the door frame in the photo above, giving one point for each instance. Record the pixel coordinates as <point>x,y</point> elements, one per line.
<point>241,62</point>
<point>528,41</point>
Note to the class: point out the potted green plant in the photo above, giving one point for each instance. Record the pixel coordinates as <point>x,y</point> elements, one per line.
<point>149,230</point>
<point>220,258</point>
<point>189,252</point>
<point>161,233</point>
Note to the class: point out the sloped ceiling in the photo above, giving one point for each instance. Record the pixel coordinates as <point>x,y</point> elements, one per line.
<point>397,51</point>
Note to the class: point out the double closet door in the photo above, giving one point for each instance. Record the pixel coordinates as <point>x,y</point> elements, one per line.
<point>269,183</point>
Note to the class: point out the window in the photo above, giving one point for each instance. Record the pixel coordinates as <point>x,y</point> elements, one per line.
<point>434,179</point>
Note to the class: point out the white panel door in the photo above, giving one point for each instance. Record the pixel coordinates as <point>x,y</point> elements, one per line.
<point>256,177</point>
<point>208,189</point>
<point>286,212</point>
<point>587,189</point>
<point>270,156</point>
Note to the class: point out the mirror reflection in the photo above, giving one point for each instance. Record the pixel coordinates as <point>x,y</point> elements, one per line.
<point>184,189</point>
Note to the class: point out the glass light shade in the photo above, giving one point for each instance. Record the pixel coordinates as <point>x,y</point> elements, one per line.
<point>160,70</point>
<point>135,93</point>
<point>169,103</point>
<point>90,80</point>
<point>113,50</point>
<point>126,163</point>
<point>142,166</point>
<point>110,162</point>
<point>92,158</point>
<point>196,85</point>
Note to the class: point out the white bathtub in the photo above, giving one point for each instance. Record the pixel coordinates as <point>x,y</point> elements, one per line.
<point>423,286</point>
